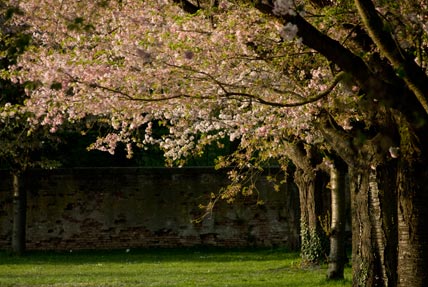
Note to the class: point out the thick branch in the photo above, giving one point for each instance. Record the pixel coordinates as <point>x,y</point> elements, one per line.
<point>389,94</point>
<point>333,51</point>
<point>337,138</point>
<point>297,154</point>
<point>413,75</point>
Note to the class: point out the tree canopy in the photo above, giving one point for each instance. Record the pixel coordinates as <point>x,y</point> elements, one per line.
<point>348,77</point>
<point>196,72</point>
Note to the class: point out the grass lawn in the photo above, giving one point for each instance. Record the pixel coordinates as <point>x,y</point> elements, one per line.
<point>163,267</point>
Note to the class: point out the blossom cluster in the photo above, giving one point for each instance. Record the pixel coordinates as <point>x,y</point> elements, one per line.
<point>218,73</point>
<point>283,7</point>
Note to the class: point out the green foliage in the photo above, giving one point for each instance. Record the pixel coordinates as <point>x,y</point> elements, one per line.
<point>313,249</point>
<point>363,274</point>
<point>12,44</point>
<point>56,86</point>
<point>80,24</point>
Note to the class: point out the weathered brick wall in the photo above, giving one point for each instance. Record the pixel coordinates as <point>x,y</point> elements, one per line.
<point>138,207</point>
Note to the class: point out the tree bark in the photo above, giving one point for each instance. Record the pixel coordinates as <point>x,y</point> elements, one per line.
<point>412,207</point>
<point>374,230</point>
<point>337,257</point>
<point>312,236</point>
<point>310,183</point>
<point>372,176</point>
<point>19,214</point>
<point>413,234</point>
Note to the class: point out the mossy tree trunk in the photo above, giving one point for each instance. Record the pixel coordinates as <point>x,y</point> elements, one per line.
<point>313,249</point>
<point>311,182</point>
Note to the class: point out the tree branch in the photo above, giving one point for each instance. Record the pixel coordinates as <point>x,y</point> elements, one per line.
<point>132,98</point>
<point>332,50</point>
<point>124,94</point>
<point>388,93</point>
<point>337,138</point>
<point>297,154</point>
<point>318,97</point>
<point>413,75</point>
<point>227,93</point>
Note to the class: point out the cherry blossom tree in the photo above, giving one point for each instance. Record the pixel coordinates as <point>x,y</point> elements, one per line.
<point>170,52</point>
<point>172,56</point>
<point>348,77</point>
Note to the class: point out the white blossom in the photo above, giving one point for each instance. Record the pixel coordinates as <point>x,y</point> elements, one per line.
<point>289,31</point>
<point>283,7</point>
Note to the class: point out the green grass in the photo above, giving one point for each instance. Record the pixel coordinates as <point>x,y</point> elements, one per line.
<point>163,267</point>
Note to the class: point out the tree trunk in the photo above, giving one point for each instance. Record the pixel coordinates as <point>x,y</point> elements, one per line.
<point>310,183</point>
<point>374,229</point>
<point>312,235</point>
<point>412,228</point>
<point>382,198</point>
<point>337,257</point>
<point>19,215</point>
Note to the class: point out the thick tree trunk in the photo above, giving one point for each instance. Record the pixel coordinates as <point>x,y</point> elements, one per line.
<point>374,229</point>
<point>19,215</point>
<point>337,257</point>
<point>412,224</point>
<point>412,205</point>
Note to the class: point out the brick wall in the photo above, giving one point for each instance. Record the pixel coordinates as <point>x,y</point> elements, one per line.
<point>138,207</point>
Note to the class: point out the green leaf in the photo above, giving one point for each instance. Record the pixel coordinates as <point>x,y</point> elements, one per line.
<point>56,86</point>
